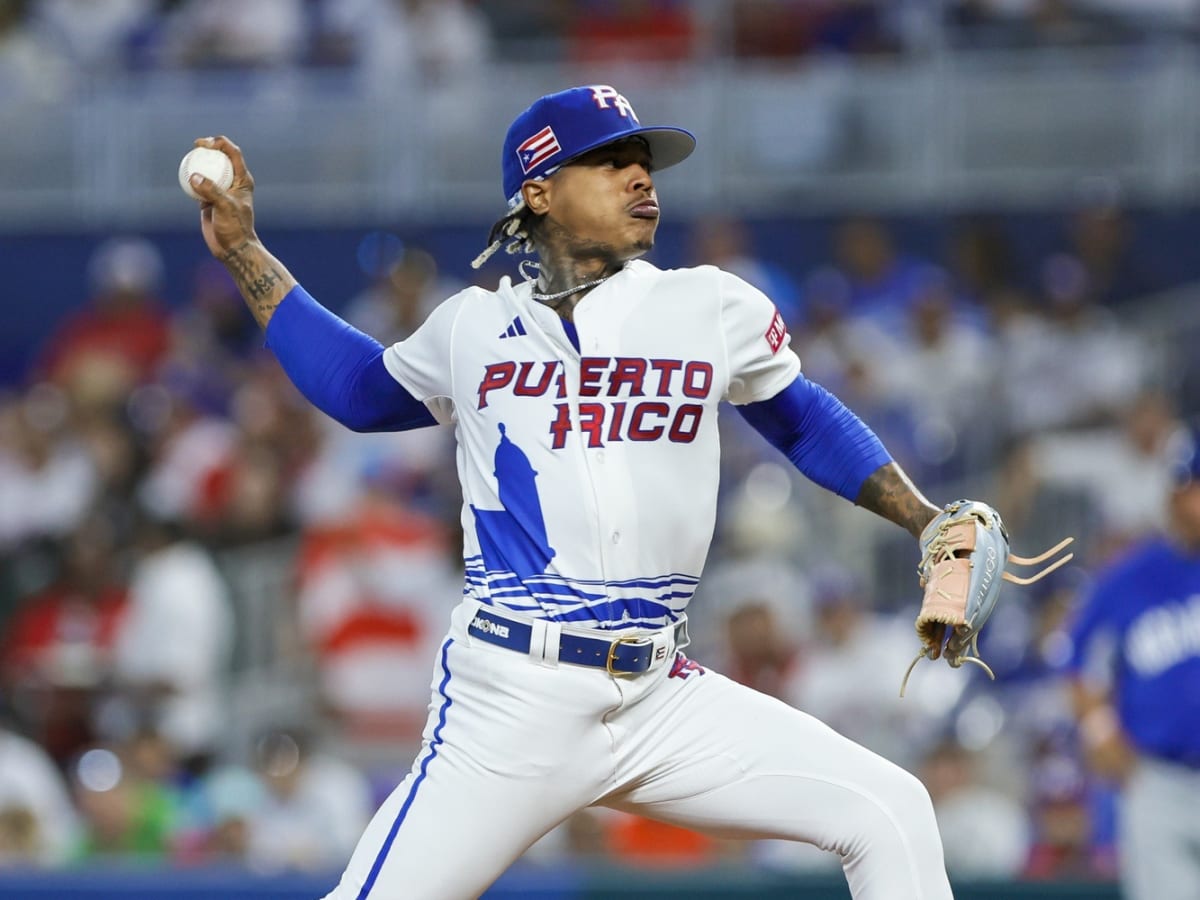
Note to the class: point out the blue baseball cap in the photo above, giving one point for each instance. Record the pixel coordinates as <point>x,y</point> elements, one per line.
<point>560,127</point>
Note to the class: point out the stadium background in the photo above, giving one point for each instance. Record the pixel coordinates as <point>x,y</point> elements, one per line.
<point>215,609</point>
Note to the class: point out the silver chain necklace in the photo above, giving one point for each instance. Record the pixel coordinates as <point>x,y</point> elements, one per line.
<point>574,290</point>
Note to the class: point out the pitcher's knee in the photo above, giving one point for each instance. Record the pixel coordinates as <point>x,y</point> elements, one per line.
<point>903,807</point>
<point>913,791</point>
<point>896,850</point>
<point>908,793</point>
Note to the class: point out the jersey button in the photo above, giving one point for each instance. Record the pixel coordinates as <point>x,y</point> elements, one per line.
<point>600,456</point>
<point>616,537</point>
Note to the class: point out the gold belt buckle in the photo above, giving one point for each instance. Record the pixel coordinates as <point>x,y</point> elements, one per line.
<point>612,653</point>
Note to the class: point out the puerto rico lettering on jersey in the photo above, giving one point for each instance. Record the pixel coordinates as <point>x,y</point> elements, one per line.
<point>630,378</point>
<point>594,538</point>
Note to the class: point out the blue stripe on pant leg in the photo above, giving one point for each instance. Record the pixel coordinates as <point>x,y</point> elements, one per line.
<point>412,792</point>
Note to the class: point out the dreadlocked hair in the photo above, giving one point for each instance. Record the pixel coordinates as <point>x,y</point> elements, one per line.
<point>512,232</point>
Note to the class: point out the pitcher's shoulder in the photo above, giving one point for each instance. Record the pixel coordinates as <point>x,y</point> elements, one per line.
<point>692,276</point>
<point>471,298</point>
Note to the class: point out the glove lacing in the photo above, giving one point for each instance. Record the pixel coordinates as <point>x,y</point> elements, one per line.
<point>954,661</point>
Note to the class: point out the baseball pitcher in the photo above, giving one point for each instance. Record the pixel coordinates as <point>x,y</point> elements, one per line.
<point>584,399</point>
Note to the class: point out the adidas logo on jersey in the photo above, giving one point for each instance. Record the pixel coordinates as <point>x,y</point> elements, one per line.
<point>515,327</point>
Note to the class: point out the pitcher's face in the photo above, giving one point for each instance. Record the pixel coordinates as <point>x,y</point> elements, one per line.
<point>602,204</point>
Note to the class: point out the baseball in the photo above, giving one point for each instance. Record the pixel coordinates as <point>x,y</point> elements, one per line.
<point>212,164</point>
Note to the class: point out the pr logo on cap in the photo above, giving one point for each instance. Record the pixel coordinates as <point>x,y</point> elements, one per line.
<point>544,145</point>
<point>602,93</point>
<point>538,149</point>
<point>558,128</point>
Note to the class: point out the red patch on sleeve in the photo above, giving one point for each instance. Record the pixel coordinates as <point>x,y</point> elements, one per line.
<point>777,334</point>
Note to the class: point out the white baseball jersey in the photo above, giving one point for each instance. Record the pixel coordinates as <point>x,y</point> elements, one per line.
<point>590,482</point>
<point>571,491</point>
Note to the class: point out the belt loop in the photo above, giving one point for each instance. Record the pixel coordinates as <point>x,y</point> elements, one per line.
<point>543,642</point>
<point>537,640</point>
<point>471,608</point>
<point>682,638</point>
<point>550,651</point>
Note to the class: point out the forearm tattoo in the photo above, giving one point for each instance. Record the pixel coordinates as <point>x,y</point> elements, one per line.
<point>888,493</point>
<point>258,277</point>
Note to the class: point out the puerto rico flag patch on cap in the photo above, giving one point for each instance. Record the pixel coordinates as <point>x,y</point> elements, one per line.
<point>538,149</point>
<point>777,334</point>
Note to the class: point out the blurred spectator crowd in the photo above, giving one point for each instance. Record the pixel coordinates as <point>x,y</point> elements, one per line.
<point>218,609</point>
<point>156,468</point>
<point>48,47</point>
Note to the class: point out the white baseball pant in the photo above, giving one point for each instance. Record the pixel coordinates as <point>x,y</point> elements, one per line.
<point>513,747</point>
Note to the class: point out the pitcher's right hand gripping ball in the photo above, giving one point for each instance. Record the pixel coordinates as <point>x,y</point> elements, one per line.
<point>964,555</point>
<point>226,213</point>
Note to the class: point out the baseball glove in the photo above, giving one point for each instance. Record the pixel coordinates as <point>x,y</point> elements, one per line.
<point>964,556</point>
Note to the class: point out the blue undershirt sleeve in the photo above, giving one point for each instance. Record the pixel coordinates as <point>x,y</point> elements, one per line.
<point>820,435</point>
<point>339,369</point>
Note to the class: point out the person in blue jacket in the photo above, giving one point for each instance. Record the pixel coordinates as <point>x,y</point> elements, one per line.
<point>1135,678</point>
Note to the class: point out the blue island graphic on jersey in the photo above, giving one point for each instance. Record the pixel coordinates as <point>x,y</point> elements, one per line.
<point>513,539</point>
